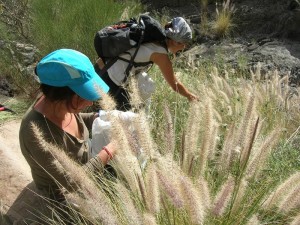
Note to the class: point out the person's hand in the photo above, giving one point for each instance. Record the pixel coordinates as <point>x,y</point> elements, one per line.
<point>193,97</point>
<point>107,152</point>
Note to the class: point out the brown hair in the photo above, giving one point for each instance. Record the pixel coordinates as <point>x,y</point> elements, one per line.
<point>57,94</point>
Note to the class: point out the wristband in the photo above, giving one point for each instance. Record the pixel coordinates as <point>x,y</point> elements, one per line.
<point>107,152</point>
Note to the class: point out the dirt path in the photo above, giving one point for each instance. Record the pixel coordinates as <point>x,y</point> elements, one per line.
<point>15,173</point>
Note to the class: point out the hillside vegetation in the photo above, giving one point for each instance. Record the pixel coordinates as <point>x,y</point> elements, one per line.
<point>231,158</point>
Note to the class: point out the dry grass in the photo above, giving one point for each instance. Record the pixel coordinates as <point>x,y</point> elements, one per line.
<point>204,177</point>
<point>224,19</point>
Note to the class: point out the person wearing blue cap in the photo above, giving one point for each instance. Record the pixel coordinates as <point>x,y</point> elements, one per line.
<point>68,84</point>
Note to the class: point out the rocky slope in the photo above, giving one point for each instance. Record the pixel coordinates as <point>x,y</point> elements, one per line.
<point>265,32</point>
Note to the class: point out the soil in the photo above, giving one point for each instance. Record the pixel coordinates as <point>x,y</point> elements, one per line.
<point>15,173</point>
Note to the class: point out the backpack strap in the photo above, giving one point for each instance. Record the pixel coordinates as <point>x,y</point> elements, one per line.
<point>131,62</point>
<point>109,64</point>
<point>136,64</point>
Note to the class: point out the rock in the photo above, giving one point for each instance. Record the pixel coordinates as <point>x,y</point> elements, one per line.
<point>24,57</point>
<point>272,54</point>
<point>294,5</point>
<point>25,53</point>
<point>5,88</point>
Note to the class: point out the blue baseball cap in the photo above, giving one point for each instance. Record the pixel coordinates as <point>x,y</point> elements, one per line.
<point>68,67</point>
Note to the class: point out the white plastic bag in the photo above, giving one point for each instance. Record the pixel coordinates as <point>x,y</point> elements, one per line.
<point>146,85</point>
<point>101,129</point>
<point>100,135</point>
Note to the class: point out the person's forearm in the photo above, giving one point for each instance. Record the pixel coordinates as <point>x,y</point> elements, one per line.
<point>101,159</point>
<point>180,88</point>
<point>107,153</point>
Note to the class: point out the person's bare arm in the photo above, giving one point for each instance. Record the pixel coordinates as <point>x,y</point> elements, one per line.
<point>165,66</point>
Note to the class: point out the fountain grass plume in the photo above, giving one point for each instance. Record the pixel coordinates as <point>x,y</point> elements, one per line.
<point>253,220</point>
<point>182,149</point>
<point>239,195</point>
<point>282,191</point>
<point>222,199</point>
<point>125,161</point>
<point>228,89</point>
<point>296,220</point>
<point>217,81</point>
<point>118,134</point>
<point>214,141</point>
<point>256,75</point>
<point>95,203</point>
<point>143,134</point>
<point>63,163</point>
<point>127,167</point>
<point>128,205</point>
<point>238,140</point>
<point>169,131</point>
<point>152,190</point>
<point>274,85</point>
<point>250,135</point>
<point>261,153</point>
<point>226,154</point>
<point>106,101</point>
<point>204,193</point>
<point>192,134</point>
<point>142,188</point>
<point>135,97</point>
<point>224,96</point>
<point>218,116</point>
<point>249,107</point>
<point>192,200</point>
<point>211,93</point>
<point>207,138</point>
<point>170,188</point>
<point>290,201</point>
<point>149,219</point>
<point>90,210</point>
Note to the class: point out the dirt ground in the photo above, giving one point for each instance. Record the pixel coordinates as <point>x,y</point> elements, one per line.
<point>15,174</point>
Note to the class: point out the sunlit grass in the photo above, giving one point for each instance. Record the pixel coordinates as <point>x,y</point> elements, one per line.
<point>228,157</point>
<point>224,19</point>
<point>78,22</point>
<point>18,104</point>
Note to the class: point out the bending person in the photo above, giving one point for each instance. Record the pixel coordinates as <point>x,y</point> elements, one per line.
<point>69,84</point>
<point>178,34</point>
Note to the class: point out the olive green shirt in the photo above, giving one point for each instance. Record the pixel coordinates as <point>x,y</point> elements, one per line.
<point>44,173</point>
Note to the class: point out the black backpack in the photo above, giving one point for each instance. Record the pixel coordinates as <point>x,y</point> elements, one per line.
<point>118,38</point>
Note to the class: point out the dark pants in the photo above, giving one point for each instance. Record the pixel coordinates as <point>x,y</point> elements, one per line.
<point>120,94</point>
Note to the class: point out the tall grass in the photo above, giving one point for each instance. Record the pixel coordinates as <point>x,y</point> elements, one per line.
<point>61,24</point>
<point>220,23</point>
<point>224,19</point>
<point>18,105</point>
<point>219,166</point>
<point>50,25</point>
